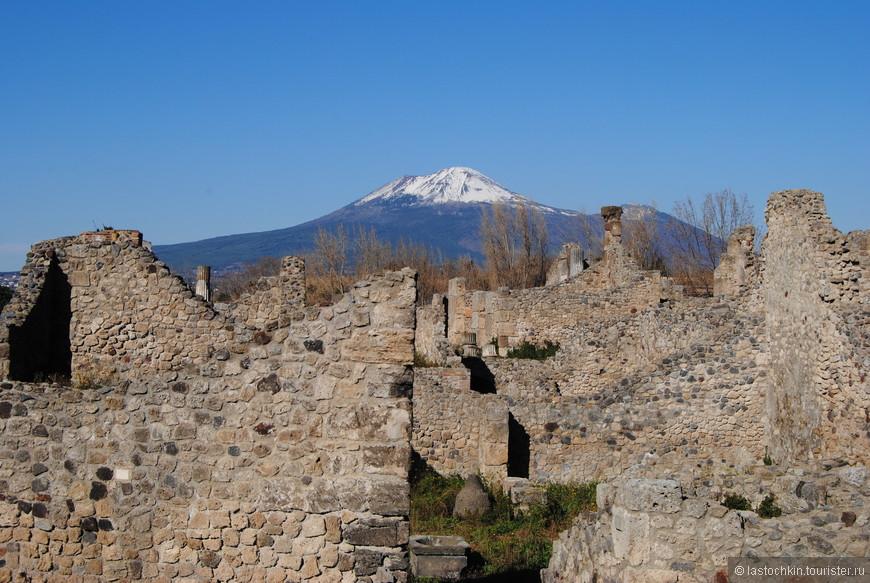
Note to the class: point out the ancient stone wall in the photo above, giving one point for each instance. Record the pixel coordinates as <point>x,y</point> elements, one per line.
<point>736,266</point>
<point>703,399</point>
<point>660,530</point>
<point>245,455</point>
<point>611,288</point>
<point>456,430</point>
<point>672,385</point>
<point>548,313</point>
<point>125,311</point>
<point>273,301</point>
<point>820,394</point>
<point>430,342</point>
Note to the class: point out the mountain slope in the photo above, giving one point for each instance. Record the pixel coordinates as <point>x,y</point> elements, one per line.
<point>441,210</point>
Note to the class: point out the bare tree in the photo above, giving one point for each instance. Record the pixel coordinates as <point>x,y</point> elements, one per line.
<point>515,244</point>
<point>230,286</point>
<point>642,237</point>
<point>698,234</point>
<point>330,268</point>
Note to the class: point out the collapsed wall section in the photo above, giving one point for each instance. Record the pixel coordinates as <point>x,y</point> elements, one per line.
<point>820,396</point>
<point>273,300</point>
<point>243,455</point>
<point>659,530</point>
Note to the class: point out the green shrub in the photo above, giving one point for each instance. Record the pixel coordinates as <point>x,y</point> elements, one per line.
<point>565,501</point>
<point>768,507</point>
<point>531,351</point>
<point>767,459</point>
<point>507,540</point>
<point>736,502</point>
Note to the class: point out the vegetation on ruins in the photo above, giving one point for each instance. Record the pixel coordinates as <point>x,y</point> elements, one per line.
<point>768,507</point>
<point>698,235</point>
<point>516,243</point>
<point>503,539</point>
<point>533,351</point>
<point>734,501</point>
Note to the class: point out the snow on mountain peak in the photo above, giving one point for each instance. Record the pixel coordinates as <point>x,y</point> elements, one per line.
<point>457,184</point>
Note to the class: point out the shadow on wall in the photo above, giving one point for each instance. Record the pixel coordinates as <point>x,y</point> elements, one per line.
<point>39,349</point>
<point>482,379</point>
<point>519,452</point>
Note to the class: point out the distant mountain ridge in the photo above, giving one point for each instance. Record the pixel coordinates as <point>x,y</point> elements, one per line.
<point>440,210</point>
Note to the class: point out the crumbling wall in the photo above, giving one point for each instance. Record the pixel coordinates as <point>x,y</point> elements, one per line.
<point>820,397</point>
<point>736,266</point>
<point>269,455</point>
<point>548,313</point>
<point>672,385</point>
<point>458,431</point>
<point>127,312</point>
<point>613,287</point>
<point>273,301</point>
<point>663,530</point>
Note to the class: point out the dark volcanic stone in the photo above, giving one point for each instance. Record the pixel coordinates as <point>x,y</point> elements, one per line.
<point>105,473</point>
<point>98,491</point>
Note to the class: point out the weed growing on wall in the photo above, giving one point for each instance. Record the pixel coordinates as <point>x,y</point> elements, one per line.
<point>90,373</point>
<point>533,352</point>
<point>736,502</point>
<point>768,508</point>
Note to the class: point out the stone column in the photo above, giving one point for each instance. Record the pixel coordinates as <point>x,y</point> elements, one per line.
<point>203,282</point>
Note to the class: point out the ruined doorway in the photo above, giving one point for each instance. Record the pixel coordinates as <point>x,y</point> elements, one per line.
<point>519,449</point>
<point>39,349</point>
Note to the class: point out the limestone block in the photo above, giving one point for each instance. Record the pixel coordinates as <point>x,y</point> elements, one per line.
<point>630,536</point>
<point>649,495</point>
<point>604,495</point>
<point>381,345</point>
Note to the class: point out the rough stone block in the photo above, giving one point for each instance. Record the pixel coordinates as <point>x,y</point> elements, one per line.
<point>630,536</point>
<point>372,533</point>
<point>648,495</point>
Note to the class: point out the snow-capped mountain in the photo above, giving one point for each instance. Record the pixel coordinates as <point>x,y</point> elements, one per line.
<point>440,210</point>
<point>457,184</point>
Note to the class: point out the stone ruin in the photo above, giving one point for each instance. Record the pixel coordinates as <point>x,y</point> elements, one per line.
<point>265,440</point>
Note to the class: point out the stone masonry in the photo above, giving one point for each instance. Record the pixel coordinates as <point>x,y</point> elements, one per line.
<point>149,434</point>
<point>262,443</point>
<point>652,385</point>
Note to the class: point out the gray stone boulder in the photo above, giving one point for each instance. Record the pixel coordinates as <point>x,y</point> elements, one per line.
<point>471,499</point>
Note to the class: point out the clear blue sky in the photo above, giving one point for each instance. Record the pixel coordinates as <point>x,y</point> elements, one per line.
<point>193,119</point>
